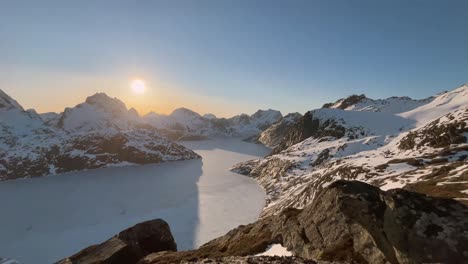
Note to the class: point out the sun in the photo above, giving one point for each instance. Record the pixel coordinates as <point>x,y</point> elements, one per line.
<point>138,86</point>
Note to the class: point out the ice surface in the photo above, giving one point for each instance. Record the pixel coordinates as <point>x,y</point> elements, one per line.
<point>49,218</point>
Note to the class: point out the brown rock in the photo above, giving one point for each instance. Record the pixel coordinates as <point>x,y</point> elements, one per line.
<point>128,246</point>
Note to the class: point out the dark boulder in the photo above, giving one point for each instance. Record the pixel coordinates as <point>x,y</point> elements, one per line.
<point>128,246</point>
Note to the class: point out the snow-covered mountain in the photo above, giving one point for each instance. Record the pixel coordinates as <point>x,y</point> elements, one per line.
<point>184,123</point>
<point>97,133</point>
<point>390,105</point>
<point>98,112</point>
<point>423,148</point>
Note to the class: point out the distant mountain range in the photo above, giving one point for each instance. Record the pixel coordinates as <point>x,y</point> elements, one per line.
<point>102,132</point>
<point>183,124</point>
<point>394,142</point>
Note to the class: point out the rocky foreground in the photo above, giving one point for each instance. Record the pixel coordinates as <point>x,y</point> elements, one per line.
<point>348,222</point>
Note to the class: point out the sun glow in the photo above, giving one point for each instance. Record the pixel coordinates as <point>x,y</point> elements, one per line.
<point>138,86</point>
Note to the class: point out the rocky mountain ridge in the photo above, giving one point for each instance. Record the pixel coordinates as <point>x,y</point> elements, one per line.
<point>101,112</point>
<point>29,147</point>
<point>184,123</point>
<point>273,135</point>
<point>392,105</point>
<point>423,149</point>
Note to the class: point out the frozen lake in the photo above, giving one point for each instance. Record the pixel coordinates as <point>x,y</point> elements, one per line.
<point>49,218</point>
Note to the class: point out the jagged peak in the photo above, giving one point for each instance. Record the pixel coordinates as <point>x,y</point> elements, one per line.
<point>344,103</point>
<point>6,102</point>
<point>102,100</point>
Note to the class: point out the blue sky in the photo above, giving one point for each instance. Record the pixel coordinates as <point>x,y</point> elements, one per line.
<point>227,57</point>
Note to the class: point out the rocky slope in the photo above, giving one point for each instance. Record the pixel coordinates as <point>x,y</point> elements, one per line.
<point>349,222</point>
<point>274,134</point>
<point>424,149</point>
<point>186,124</point>
<point>92,135</point>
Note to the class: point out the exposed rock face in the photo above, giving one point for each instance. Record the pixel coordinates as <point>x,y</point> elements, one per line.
<point>358,222</point>
<point>440,133</point>
<point>273,135</point>
<point>353,222</point>
<point>309,126</point>
<point>346,102</point>
<point>128,246</point>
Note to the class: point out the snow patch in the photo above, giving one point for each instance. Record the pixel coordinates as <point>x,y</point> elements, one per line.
<point>276,250</point>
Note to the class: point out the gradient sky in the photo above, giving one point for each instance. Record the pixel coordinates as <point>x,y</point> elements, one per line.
<point>230,56</point>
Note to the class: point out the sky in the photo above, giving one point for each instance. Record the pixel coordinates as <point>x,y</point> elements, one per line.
<point>230,56</point>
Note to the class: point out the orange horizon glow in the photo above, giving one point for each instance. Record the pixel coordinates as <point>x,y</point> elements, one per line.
<point>71,89</point>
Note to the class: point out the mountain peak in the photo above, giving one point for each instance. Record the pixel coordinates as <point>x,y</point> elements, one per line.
<point>6,102</point>
<point>105,102</point>
<point>267,113</point>
<point>346,102</point>
<point>183,112</point>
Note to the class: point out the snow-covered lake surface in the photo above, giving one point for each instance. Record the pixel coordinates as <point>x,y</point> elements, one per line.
<point>45,219</point>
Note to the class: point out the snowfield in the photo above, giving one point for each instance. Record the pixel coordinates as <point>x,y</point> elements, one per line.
<point>48,218</point>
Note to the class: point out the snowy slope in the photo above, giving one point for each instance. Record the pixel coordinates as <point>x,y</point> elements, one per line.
<point>30,147</point>
<point>443,104</point>
<point>424,149</point>
<point>391,105</point>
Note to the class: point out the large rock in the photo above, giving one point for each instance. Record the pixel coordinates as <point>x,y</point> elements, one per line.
<point>128,246</point>
<point>273,135</point>
<point>354,222</point>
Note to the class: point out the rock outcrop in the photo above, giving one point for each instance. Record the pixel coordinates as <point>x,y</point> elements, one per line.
<point>273,135</point>
<point>128,246</point>
<point>350,222</point>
